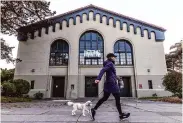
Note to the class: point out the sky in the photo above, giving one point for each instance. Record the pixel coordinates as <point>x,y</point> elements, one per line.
<point>164,13</point>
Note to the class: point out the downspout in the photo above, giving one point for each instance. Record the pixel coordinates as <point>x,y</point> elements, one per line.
<point>135,76</point>
<point>67,82</point>
<point>136,83</point>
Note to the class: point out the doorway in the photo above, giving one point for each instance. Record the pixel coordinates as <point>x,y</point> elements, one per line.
<point>58,86</point>
<point>126,91</point>
<point>91,89</point>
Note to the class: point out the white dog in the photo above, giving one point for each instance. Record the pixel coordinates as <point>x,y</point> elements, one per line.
<point>80,106</point>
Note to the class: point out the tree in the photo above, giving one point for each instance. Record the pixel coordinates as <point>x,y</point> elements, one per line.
<point>6,51</point>
<point>7,75</point>
<point>16,14</point>
<point>174,58</point>
<point>173,83</point>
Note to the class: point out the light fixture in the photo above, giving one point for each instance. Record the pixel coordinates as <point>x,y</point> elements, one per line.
<point>33,70</point>
<point>148,70</point>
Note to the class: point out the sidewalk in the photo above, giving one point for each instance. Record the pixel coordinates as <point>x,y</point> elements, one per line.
<point>57,112</point>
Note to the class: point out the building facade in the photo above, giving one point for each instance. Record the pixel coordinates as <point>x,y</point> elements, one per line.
<point>61,56</point>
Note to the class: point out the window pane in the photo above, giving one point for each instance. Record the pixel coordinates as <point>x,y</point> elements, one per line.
<point>116,47</point>
<point>100,61</point>
<point>32,84</point>
<point>100,38</point>
<point>59,53</point>
<point>88,61</point>
<point>94,45</point>
<point>117,58</point>
<point>87,36</point>
<point>128,47</point>
<point>122,58</point>
<point>129,55</point>
<point>83,37</point>
<point>82,46</point>
<point>90,42</point>
<point>129,62</point>
<point>52,60</point>
<point>65,48</point>
<point>81,58</point>
<point>100,46</point>
<point>129,58</point>
<point>67,56</point>
<point>124,50</point>
<point>122,55</point>
<point>60,46</point>
<point>94,36</point>
<point>88,45</point>
<point>94,61</point>
<point>121,46</point>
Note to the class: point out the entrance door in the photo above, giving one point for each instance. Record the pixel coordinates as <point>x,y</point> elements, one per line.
<point>58,86</point>
<point>91,89</point>
<point>126,91</point>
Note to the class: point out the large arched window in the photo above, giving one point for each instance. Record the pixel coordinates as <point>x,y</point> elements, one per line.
<point>93,41</point>
<point>123,51</point>
<point>59,53</point>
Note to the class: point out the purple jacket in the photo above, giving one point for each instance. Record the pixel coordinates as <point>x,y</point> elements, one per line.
<point>110,85</point>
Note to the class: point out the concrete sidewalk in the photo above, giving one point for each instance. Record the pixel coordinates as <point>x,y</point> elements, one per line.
<point>57,112</point>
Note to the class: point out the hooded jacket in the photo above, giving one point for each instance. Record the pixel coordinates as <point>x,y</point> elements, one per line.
<point>110,84</point>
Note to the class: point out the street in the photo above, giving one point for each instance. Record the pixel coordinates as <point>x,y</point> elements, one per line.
<point>57,112</point>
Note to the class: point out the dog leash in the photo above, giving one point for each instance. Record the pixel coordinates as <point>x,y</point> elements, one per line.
<point>91,101</point>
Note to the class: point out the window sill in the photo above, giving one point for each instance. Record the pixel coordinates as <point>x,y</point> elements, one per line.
<point>90,66</point>
<point>63,66</point>
<point>121,66</point>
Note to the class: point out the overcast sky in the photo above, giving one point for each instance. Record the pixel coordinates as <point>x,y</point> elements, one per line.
<point>164,13</point>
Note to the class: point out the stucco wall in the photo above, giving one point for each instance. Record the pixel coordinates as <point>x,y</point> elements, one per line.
<point>148,54</point>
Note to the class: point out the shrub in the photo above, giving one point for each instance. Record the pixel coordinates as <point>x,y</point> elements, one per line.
<point>38,95</point>
<point>14,99</point>
<point>154,95</point>
<point>22,86</point>
<point>170,99</point>
<point>26,96</point>
<point>9,89</point>
<point>173,83</point>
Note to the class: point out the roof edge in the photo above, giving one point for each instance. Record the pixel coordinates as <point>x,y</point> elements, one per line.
<point>94,6</point>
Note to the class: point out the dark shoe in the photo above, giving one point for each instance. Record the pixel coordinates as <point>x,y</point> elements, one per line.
<point>93,112</point>
<point>124,116</point>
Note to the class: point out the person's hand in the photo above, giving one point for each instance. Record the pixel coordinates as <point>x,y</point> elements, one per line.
<point>97,81</point>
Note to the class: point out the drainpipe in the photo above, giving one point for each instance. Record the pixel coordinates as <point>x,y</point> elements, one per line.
<point>135,78</point>
<point>67,81</point>
<point>136,93</point>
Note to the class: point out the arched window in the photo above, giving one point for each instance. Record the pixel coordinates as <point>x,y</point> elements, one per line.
<point>59,53</point>
<point>123,51</point>
<point>91,48</point>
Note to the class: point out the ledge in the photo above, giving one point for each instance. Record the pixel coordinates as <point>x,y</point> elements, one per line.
<point>90,66</point>
<point>120,66</point>
<point>58,66</point>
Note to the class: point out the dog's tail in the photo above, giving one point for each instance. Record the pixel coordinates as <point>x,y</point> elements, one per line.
<point>70,103</point>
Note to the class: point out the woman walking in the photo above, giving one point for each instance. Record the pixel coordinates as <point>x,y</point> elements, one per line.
<point>110,86</point>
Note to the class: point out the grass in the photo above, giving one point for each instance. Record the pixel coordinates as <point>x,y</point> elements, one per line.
<point>163,99</point>
<point>14,99</point>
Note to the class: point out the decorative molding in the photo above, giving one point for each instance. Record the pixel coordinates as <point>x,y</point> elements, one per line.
<point>24,31</point>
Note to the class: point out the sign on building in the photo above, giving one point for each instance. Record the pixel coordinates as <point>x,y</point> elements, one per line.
<point>92,54</point>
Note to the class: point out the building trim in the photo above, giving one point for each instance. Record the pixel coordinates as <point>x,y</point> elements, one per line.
<point>23,31</point>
